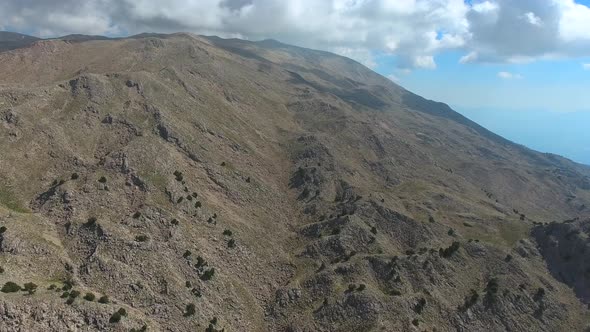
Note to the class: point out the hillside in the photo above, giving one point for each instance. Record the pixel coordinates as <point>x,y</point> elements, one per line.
<point>271,187</point>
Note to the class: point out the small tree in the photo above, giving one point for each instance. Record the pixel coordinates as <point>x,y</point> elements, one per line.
<point>10,287</point>
<point>30,288</point>
<point>190,310</point>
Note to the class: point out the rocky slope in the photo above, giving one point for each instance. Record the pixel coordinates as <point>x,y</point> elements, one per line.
<point>209,184</point>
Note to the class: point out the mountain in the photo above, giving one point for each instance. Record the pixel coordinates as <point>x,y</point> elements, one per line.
<point>13,40</point>
<point>204,184</point>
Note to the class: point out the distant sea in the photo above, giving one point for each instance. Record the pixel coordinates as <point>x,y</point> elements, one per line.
<point>565,134</point>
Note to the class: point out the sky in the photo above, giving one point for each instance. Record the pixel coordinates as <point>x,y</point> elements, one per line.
<point>518,67</point>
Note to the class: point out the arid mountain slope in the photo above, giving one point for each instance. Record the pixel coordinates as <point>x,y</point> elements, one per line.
<point>272,187</point>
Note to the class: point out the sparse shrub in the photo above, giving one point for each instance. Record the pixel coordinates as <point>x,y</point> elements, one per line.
<point>448,252</point>
<point>248,180</point>
<point>188,284</point>
<point>210,220</point>
<point>214,215</point>
<point>466,224</point>
<point>395,292</point>
<point>522,217</point>
<point>89,297</point>
<point>122,312</point>
<point>540,294</point>
<point>30,288</point>
<point>195,195</point>
<point>74,293</point>
<point>410,252</point>
<point>115,318</point>
<point>61,181</point>
<point>91,221</point>
<point>136,215</point>
<point>207,275</point>
<point>179,200</point>
<point>74,176</point>
<point>419,307</point>
<point>451,232</point>
<point>508,258</point>
<point>102,179</point>
<point>231,243</point>
<point>361,287</point>
<point>104,299</point>
<point>470,300</point>
<point>190,310</point>
<point>70,300</point>
<point>336,231</point>
<point>196,292</point>
<point>227,232</point>
<point>223,163</point>
<point>141,238</point>
<point>178,175</point>
<point>1,269</point>
<point>3,229</point>
<point>174,222</point>
<point>431,219</point>
<point>198,204</point>
<point>10,287</point>
<point>52,287</point>
<point>68,284</point>
<point>187,253</point>
<point>351,287</point>
<point>491,290</point>
<point>65,294</point>
<point>416,322</point>
<point>374,230</point>
<point>200,262</point>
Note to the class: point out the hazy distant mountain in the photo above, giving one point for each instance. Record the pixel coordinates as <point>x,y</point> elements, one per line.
<point>203,183</point>
<point>13,40</point>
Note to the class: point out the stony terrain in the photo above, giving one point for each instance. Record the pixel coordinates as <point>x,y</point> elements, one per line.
<point>203,184</point>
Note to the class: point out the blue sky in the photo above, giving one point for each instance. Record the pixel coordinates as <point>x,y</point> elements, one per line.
<point>519,67</point>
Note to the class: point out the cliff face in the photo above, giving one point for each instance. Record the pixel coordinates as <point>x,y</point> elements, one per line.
<point>270,187</point>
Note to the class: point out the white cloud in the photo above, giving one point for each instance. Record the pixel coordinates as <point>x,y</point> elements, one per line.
<point>509,76</point>
<point>413,30</point>
<point>393,78</point>
<point>533,19</point>
<point>586,66</point>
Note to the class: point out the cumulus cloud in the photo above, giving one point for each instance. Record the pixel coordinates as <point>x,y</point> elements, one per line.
<point>586,66</point>
<point>415,31</point>
<point>509,76</point>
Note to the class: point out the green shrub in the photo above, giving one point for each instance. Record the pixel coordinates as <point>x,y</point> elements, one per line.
<point>70,300</point>
<point>1,269</point>
<point>374,230</point>
<point>231,243</point>
<point>30,288</point>
<point>74,176</point>
<point>52,287</point>
<point>419,307</point>
<point>68,284</point>
<point>196,292</point>
<point>179,200</point>
<point>10,287</point>
<point>198,204</point>
<point>190,310</point>
<point>115,318</point>
<point>207,275</point>
<point>431,219</point>
<point>89,297</point>
<point>136,215</point>
<point>200,262</point>
<point>102,179</point>
<point>178,176</point>
<point>122,312</point>
<point>351,287</point>
<point>188,284</point>
<point>248,180</point>
<point>91,221</point>
<point>213,321</point>
<point>448,252</point>
<point>2,229</point>
<point>74,293</point>
<point>223,163</point>
<point>141,238</point>
<point>104,299</point>
<point>65,294</point>
<point>361,287</point>
<point>227,232</point>
<point>451,232</point>
<point>187,253</point>
<point>416,322</point>
<point>470,300</point>
<point>174,222</point>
